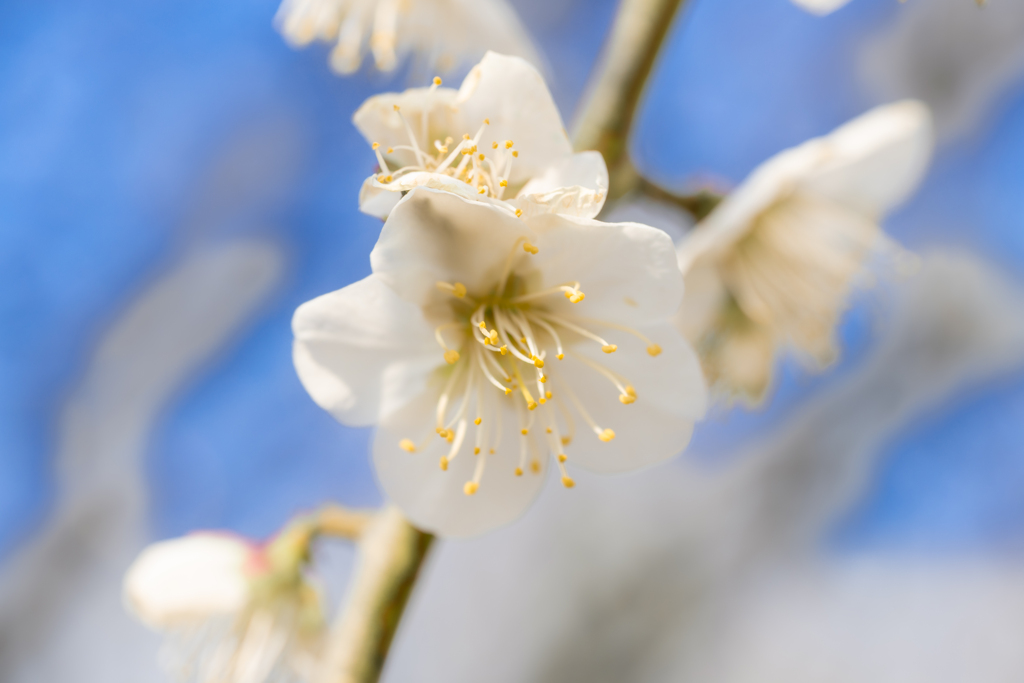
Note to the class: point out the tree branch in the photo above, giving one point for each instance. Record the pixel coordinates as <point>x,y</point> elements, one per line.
<point>606,117</point>
<point>390,554</point>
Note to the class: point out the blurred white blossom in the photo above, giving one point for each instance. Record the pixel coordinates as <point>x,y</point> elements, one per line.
<point>823,7</point>
<point>473,350</point>
<point>498,137</point>
<point>774,263</point>
<point>441,33</point>
<point>956,59</point>
<point>232,612</point>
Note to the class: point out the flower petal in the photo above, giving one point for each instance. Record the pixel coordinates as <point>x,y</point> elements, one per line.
<point>434,500</point>
<point>378,199</point>
<point>586,169</point>
<point>670,396</point>
<point>629,272</point>
<point>512,95</point>
<point>361,352</point>
<point>186,579</point>
<point>875,161</point>
<point>379,121</point>
<point>433,236</point>
<point>820,7</point>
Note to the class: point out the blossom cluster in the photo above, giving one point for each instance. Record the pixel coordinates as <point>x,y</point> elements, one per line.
<point>506,331</point>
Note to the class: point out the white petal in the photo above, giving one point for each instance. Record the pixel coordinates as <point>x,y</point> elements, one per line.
<point>433,236</point>
<point>874,162</point>
<point>577,201</point>
<point>586,169</point>
<point>670,396</point>
<point>361,352</point>
<point>702,302</point>
<point>628,271</point>
<point>191,578</point>
<point>512,94</point>
<point>433,499</point>
<point>378,121</point>
<point>820,7</point>
<point>378,199</point>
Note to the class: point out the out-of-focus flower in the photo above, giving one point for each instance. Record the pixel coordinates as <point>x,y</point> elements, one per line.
<point>775,261</point>
<point>497,138</point>
<point>471,346</point>
<point>959,61</point>
<point>233,612</point>
<point>441,33</point>
<point>823,7</point>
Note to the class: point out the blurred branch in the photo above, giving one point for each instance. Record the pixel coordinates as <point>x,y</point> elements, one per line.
<point>607,114</point>
<point>699,204</point>
<point>391,552</point>
<point>335,520</point>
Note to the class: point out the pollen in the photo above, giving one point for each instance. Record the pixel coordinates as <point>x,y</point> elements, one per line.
<point>543,379</point>
<point>437,80</point>
<point>547,394</point>
<point>539,362</point>
<point>504,350</point>
<point>494,145</point>
<point>397,108</point>
<point>562,457</point>
<point>609,348</point>
<point>519,212</point>
<point>529,248</point>
<point>451,356</point>
<point>407,445</point>
<point>502,182</point>
<point>606,435</point>
<point>577,297</point>
<point>476,450</point>
<point>444,463</point>
<point>535,466</point>
<point>375,145</point>
<point>508,144</point>
<point>566,440</point>
<point>654,349</point>
<point>567,482</point>
<point>482,190</point>
<point>508,391</point>
<point>478,421</point>
<point>626,399</point>
<point>560,356</point>
<point>487,121</point>
<point>515,153</point>
<point>531,405</point>
<point>442,432</point>
<point>450,436</point>
<point>549,430</point>
<point>470,488</point>
<point>391,150</point>
<point>519,471</point>
<point>524,431</point>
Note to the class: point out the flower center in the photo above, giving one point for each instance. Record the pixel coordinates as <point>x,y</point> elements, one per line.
<point>503,361</point>
<point>485,171</point>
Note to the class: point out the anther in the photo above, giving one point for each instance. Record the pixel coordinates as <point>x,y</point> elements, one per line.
<point>444,463</point>
<point>375,145</point>
<point>481,157</point>
<point>566,440</point>
<point>562,457</point>
<point>524,431</point>
<point>504,350</point>
<point>482,190</point>
<point>519,212</point>
<point>560,356</point>
<point>470,488</point>
<point>515,153</point>
<point>391,150</point>
<point>535,466</point>
<point>543,379</point>
<point>609,348</point>
<point>606,435</point>
<point>451,356</point>
<point>477,421</point>
<point>508,144</point>
<point>508,391</point>
<point>542,400</point>
<point>625,399</point>
<point>547,394</point>
<point>487,121</point>
<point>450,436</point>
<point>437,80</point>
<point>519,471</point>
<point>531,405</point>
<point>567,482</point>
<point>407,445</point>
<point>476,450</point>
<point>529,248</point>
<point>539,362</point>
<point>549,430</point>
<point>654,349</point>
<point>502,182</point>
<point>494,145</point>
<point>397,108</point>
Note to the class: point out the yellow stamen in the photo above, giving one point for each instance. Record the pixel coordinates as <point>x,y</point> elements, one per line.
<point>515,153</point>
<point>519,471</point>
<point>437,80</point>
<point>477,421</point>
<point>535,466</point>
<point>529,248</point>
<point>476,450</point>
<point>375,145</point>
<point>609,348</point>
<point>524,431</point>
<point>519,212</point>
<point>444,463</point>
<point>539,362</point>
<point>654,349</point>
<point>407,445</point>
<point>562,457</point>
<point>508,144</point>
<point>494,145</point>
<point>470,488</point>
<point>547,394</point>
<point>451,356</point>
<point>566,440</point>
<point>606,435</point>
<point>567,482</point>
<point>504,350</point>
<point>502,182</point>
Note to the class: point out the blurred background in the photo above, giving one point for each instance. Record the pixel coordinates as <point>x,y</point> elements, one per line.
<point>175,180</point>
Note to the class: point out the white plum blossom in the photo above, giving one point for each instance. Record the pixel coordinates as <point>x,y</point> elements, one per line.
<point>442,34</point>
<point>231,611</point>
<point>499,137</point>
<point>774,263</point>
<point>485,346</point>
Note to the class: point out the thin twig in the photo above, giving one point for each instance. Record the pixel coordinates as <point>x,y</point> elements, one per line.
<point>390,554</point>
<point>606,117</point>
<point>340,522</point>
